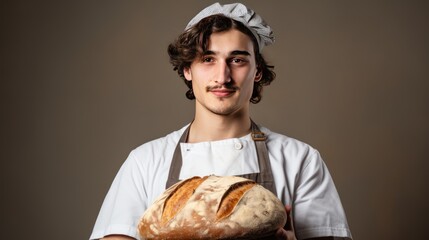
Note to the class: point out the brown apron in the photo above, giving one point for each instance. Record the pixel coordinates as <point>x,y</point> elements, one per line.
<point>264,177</point>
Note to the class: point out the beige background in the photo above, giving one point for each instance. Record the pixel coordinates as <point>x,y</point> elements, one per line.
<point>83,83</point>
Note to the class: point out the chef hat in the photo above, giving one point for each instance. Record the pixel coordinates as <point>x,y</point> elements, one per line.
<point>239,12</point>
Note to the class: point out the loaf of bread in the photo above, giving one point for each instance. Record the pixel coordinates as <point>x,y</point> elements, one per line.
<point>213,207</point>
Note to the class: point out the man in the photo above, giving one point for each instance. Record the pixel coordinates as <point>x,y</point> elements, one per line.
<point>219,58</point>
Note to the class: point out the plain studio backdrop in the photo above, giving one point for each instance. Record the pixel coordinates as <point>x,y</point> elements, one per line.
<point>84,83</point>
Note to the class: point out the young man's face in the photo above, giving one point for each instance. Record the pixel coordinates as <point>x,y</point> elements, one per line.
<point>223,78</point>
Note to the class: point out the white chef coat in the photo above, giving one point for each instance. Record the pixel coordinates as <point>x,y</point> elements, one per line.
<point>300,175</point>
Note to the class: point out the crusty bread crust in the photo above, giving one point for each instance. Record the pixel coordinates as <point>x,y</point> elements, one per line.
<point>213,207</point>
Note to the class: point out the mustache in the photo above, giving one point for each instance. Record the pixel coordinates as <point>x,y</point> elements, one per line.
<point>228,87</point>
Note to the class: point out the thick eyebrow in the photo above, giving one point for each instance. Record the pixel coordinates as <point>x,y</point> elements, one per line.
<point>239,52</point>
<point>208,52</point>
<point>233,53</point>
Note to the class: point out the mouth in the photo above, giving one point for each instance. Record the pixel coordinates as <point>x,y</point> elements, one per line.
<point>222,91</point>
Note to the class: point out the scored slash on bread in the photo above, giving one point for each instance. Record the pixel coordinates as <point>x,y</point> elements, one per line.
<point>178,198</point>
<point>213,207</point>
<point>231,198</point>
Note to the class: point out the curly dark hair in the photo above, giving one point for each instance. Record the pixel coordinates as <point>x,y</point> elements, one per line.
<point>194,42</point>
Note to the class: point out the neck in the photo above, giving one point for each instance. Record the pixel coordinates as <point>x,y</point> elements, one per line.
<point>218,127</point>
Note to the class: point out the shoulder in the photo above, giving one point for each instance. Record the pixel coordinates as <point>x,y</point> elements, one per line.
<point>291,152</point>
<point>158,150</point>
<point>281,142</point>
<point>162,143</point>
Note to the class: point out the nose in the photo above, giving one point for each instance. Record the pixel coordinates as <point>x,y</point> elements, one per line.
<point>223,73</point>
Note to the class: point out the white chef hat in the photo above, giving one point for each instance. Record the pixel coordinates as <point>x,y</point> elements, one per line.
<point>243,14</point>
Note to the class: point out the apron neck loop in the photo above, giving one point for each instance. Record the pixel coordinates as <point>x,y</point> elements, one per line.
<point>257,135</point>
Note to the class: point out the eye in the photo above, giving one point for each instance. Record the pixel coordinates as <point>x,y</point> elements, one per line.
<point>238,60</point>
<point>207,59</point>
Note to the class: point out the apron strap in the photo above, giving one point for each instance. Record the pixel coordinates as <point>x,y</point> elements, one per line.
<point>264,177</point>
<point>176,162</point>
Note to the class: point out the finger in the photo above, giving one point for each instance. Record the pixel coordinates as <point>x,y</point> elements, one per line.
<point>289,221</point>
<point>281,234</point>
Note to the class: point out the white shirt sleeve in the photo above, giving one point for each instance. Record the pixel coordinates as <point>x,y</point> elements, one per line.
<point>124,204</point>
<point>317,207</point>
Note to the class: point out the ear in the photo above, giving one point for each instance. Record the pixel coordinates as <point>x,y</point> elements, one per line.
<point>187,73</point>
<point>258,75</point>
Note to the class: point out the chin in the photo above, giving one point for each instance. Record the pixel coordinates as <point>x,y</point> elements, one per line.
<point>224,111</point>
